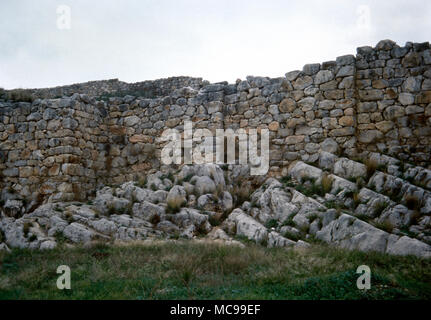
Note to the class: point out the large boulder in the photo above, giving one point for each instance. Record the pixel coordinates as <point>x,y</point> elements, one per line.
<point>148,211</point>
<point>177,194</point>
<point>78,233</point>
<point>349,169</point>
<point>243,225</point>
<point>203,184</point>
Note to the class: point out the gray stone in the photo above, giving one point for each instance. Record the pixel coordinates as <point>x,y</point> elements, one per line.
<point>311,69</point>
<point>323,76</point>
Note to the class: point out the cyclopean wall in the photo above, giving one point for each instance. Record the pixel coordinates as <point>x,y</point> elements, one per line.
<point>380,100</point>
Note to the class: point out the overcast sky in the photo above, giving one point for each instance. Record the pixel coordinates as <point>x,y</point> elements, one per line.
<point>218,40</point>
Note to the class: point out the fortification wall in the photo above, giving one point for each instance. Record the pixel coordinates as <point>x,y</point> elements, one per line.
<point>112,87</point>
<point>379,100</point>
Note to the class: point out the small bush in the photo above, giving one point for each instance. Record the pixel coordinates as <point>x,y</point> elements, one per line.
<point>155,219</point>
<point>214,221</point>
<point>372,166</point>
<point>382,167</point>
<point>60,237</point>
<point>273,223</point>
<point>69,217</point>
<point>153,187</point>
<point>141,183</point>
<point>289,222</point>
<point>168,176</point>
<point>111,210</point>
<point>381,206</point>
<point>26,228</point>
<point>241,193</point>
<point>385,226</point>
<point>292,236</point>
<point>174,205</point>
<point>327,181</point>
<point>356,199</point>
<point>412,202</point>
<point>313,217</point>
<point>20,95</point>
<point>188,177</point>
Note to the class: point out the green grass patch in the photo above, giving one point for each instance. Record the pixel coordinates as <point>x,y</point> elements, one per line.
<point>189,270</point>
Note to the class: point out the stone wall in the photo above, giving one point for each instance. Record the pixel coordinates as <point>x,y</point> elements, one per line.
<point>112,87</point>
<point>379,100</point>
<point>394,87</point>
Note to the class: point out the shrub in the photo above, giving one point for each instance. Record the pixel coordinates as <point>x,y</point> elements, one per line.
<point>155,219</point>
<point>26,228</point>
<point>273,223</point>
<point>69,217</point>
<point>111,210</point>
<point>241,193</point>
<point>415,218</point>
<point>327,181</point>
<point>385,226</point>
<point>174,205</point>
<point>313,217</point>
<point>372,166</point>
<point>381,206</point>
<point>60,237</point>
<point>20,95</point>
<point>356,199</point>
<point>413,202</point>
<point>382,167</point>
<point>292,236</point>
<point>289,222</point>
<point>169,176</point>
<point>214,221</point>
<point>188,177</point>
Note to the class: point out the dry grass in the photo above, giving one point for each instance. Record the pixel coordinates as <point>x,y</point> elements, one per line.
<point>385,226</point>
<point>175,204</point>
<point>412,202</point>
<point>242,191</point>
<point>327,181</point>
<point>20,95</point>
<point>372,166</point>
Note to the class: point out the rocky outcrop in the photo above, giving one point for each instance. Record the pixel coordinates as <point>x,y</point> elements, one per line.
<point>288,213</point>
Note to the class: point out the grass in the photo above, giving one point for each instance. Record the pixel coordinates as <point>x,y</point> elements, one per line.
<point>19,95</point>
<point>241,192</point>
<point>381,206</point>
<point>385,226</point>
<point>188,270</point>
<point>314,188</point>
<point>413,202</point>
<point>371,166</point>
<point>273,223</point>
<point>174,205</point>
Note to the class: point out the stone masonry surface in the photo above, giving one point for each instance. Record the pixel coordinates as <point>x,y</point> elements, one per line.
<point>64,146</point>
